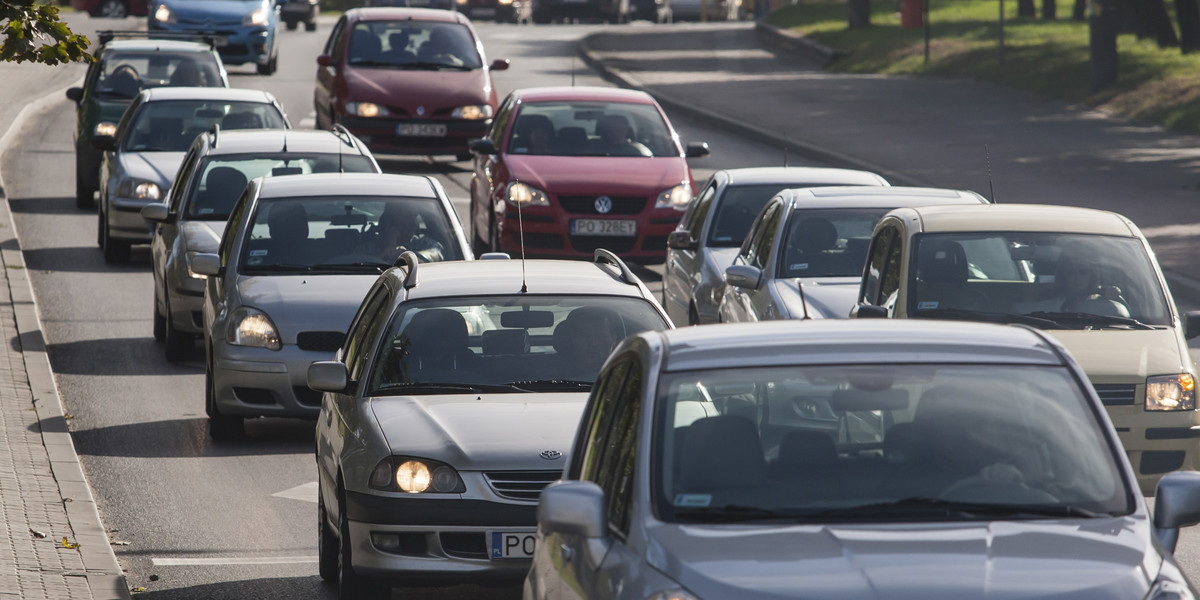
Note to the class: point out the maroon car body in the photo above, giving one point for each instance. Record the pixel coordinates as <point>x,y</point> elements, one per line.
<point>406,81</point>
<point>582,196</point>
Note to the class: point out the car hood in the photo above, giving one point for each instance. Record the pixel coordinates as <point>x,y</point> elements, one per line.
<point>159,167</point>
<point>212,11</point>
<point>482,431</point>
<point>826,298</point>
<point>201,236</point>
<point>1123,356</point>
<point>433,90</point>
<point>305,302</point>
<point>639,176</point>
<point>1091,559</point>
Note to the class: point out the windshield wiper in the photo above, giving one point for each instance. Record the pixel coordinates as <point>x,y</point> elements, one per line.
<point>377,267</point>
<point>447,388</point>
<point>1034,320</point>
<point>733,512</point>
<point>431,65</point>
<point>1091,318</point>
<point>950,508</point>
<point>280,267</point>
<point>371,63</point>
<point>542,385</point>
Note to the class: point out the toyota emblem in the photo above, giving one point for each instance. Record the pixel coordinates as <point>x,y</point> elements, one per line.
<point>551,454</point>
<point>603,205</point>
<point>420,111</point>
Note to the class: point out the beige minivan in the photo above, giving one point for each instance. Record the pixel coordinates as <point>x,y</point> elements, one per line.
<point>1086,276</point>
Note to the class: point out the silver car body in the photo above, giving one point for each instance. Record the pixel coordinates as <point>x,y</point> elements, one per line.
<point>581,553</point>
<point>693,277</point>
<point>776,293</point>
<point>178,292</point>
<point>246,381</point>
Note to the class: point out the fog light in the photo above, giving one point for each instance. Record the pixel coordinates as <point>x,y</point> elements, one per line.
<point>388,542</point>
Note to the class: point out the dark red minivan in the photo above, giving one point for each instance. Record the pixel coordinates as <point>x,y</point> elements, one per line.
<point>406,81</point>
<point>587,167</point>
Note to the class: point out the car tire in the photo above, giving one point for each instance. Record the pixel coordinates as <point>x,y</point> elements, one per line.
<point>115,251</point>
<point>111,9</point>
<point>291,25</point>
<point>160,322</point>
<point>310,26</point>
<point>221,428</point>
<point>463,156</point>
<point>270,67</point>
<point>351,585</point>
<point>327,544</point>
<point>693,315</point>
<point>179,345</point>
<point>85,196</point>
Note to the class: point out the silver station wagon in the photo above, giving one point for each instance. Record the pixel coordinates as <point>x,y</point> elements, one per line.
<point>858,460</point>
<point>299,253</point>
<point>450,406</point>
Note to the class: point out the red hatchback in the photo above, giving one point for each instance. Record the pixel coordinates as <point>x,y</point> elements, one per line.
<point>406,81</point>
<point>588,167</point>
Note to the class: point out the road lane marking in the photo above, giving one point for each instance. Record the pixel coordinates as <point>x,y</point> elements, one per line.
<point>232,560</point>
<point>305,492</point>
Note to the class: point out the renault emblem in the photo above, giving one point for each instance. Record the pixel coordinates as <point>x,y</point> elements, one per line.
<point>420,111</point>
<point>551,454</point>
<point>603,205</point>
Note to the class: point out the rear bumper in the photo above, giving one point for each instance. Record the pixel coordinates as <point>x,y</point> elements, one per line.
<point>380,135</point>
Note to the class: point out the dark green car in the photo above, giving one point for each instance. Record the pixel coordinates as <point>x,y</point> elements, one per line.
<point>123,68</point>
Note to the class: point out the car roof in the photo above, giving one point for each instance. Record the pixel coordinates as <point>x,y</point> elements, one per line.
<point>799,175</point>
<point>155,45</point>
<point>1024,217</point>
<point>396,13</point>
<point>242,141</point>
<point>160,94</point>
<point>506,277</point>
<point>854,341</point>
<point>364,184</point>
<point>876,197</point>
<point>593,93</point>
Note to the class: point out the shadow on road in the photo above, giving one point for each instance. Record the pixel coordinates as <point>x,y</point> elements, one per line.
<point>139,356</point>
<point>312,588</point>
<point>187,438</point>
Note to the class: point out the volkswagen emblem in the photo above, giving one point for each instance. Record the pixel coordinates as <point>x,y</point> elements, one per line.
<point>603,205</point>
<point>420,111</point>
<point>551,454</point>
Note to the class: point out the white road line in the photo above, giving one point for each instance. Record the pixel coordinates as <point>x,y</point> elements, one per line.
<point>233,560</point>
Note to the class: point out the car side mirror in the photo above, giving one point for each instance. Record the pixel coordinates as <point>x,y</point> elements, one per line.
<point>324,60</point>
<point>75,94</point>
<point>328,376</point>
<point>105,142</point>
<point>868,311</point>
<point>207,264</point>
<point>697,149</point>
<point>1191,324</point>
<point>500,64</point>
<point>156,212</point>
<point>482,146</point>
<point>572,508</point>
<point>680,239</point>
<point>743,276</point>
<point>1176,504</point>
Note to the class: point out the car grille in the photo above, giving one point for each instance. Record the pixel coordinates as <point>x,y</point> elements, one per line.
<point>621,205</point>
<point>306,396</point>
<point>589,243</point>
<point>1116,394</point>
<point>234,50</point>
<point>464,544</point>
<point>320,341</point>
<point>520,485</point>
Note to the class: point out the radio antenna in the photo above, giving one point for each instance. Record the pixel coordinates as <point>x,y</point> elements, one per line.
<point>803,300</point>
<point>987,157</point>
<point>785,156</point>
<point>572,70</point>
<point>521,234</point>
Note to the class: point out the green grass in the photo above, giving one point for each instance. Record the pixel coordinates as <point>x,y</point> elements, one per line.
<point>1049,57</point>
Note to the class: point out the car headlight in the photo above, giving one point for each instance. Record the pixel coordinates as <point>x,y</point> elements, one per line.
<point>526,195</point>
<point>366,109</point>
<point>139,189</point>
<point>472,112</point>
<point>188,261</point>
<point>252,327</point>
<point>163,14</point>
<point>258,16</point>
<point>415,476</point>
<point>672,594</point>
<point>505,2</point>
<point>1171,392</point>
<point>105,128</point>
<point>677,197</point>
<point>1166,589</point>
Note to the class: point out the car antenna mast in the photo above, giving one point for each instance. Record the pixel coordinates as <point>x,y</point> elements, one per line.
<point>521,233</point>
<point>987,157</point>
<point>803,300</point>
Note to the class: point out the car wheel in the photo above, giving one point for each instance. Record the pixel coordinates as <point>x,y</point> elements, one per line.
<point>160,322</point>
<point>693,316</point>
<point>115,251</point>
<point>84,194</point>
<point>310,26</point>
<point>351,585</point>
<point>112,9</point>
<point>268,68</point>
<point>179,344</point>
<point>221,427</point>
<point>493,236</point>
<point>327,545</point>
<point>291,25</point>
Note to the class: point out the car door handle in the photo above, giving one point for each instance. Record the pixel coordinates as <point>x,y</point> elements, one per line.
<point>567,553</point>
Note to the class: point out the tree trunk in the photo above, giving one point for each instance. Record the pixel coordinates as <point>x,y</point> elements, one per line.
<point>1131,18</point>
<point>1162,29</point>
<point>1188,13</point>
<point>1079,13</point>
<point>1049,9</point>
<point>1026,8</point>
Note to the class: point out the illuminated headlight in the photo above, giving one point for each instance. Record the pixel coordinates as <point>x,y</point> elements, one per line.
<point>1169,590</point>
<point>258,16</point>
<point>188,257</point>
<point>677,197</point>
<point>526,195</point>
<point>473,112</point>
<point>139,189</point>
<point>1171,392</point>
<point>461,2</point>
<point>675,594</point>
<point>105,128</point>
<point>162,14</point>
<point>505,2</point>
<point>415,476</point>
<point>366,109</point>
<point>252,327</point>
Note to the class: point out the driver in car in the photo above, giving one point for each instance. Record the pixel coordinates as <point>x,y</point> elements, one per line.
<point>399,230</point>
<point>583,341</point>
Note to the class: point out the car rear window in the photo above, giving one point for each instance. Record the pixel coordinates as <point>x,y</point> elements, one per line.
<point>125,74</point>
<point>171,125</point>
<point>223,178</point>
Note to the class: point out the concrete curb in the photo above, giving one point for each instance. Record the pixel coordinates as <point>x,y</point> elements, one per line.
<point>784,41</point>
<point>104,575</point>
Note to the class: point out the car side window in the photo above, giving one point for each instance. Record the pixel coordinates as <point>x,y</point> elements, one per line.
<point>877,257</point>
<point>365,328</point>
<point>618,460</point>
<point>503,116</point>
<point>599,415</point>
<point>333,46</point>
<point>236,217</point>
<point>182,178</point>
<point>698,211</point>
<point>758,249</point>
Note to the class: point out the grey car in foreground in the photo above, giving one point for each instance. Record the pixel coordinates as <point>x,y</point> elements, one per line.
<point>715,224</point>
<point>299,253</point>
<point>805,252</point>
<point>192,218</point>
<point>449,408</point>
<point>852,460</point>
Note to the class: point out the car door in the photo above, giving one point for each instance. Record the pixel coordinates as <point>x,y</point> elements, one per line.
<point>166,233</point>
<point>881,279</point>
<point>324,94</point>
<point>683,273</point>
<point>739,304</point>
<point>490,176</point>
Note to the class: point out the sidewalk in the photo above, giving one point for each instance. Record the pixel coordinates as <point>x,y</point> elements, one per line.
<point>923,131</point>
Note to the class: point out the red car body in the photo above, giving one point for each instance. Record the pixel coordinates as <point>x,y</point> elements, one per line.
<point>415,110</point>
<point>584,195</point>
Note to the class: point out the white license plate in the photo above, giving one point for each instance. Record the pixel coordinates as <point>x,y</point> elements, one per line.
<point>421,129</point>
<point>484,12</point>
<point>220,41</point>
<point>511,544</point>
<point>617,227</point>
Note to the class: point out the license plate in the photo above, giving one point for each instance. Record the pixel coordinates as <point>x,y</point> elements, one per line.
<point>220,41</point>
<point>484,12</point>
<point>421,129</point>
<point>511,544</point>
<point>617,227</point>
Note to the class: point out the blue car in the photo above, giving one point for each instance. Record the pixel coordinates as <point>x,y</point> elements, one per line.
<point>243,31</point>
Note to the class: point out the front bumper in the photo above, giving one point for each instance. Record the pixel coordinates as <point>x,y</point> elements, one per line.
<point>256,382</point>
<point>1156,442</point>
<point>379,134</point>
<point>125,220</point>
<point>547,232</point>
<point>237,45</point>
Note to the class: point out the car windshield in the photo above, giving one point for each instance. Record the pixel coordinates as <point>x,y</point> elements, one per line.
<point>1049,280</point>
<point>171,125</point>
<point>505,343</point>
<point>339,234</point>
<point>883,442</point>
<point>827,242</point>
<point>127,73</point>
<point>222,178</point>
<point>735,212</point>
<point>592,129</point>
<point>409,44</point>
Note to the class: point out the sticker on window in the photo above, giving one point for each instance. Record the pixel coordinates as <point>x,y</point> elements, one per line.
<point>690,500</point>
<point>258,253</point>
<point>927,305</point>
<point>799,267</point>
<point>205,211</point>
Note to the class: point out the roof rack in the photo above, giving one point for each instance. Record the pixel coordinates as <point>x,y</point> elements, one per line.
<point>109,35</point>
<point>215,130</point>
<point>340,130</point>
<point>602,256</point>
<point>408,259</point>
